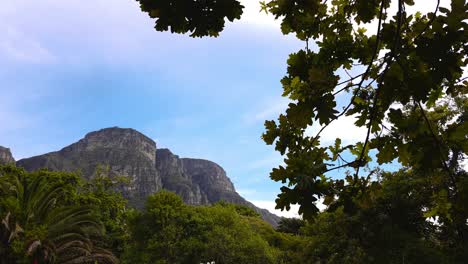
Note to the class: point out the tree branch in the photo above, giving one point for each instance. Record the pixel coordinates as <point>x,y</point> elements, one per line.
<point>349,80</point>
<point>359,161</point>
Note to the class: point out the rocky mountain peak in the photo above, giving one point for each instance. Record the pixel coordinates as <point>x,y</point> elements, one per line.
<point>5,156</point>
<point>117,138</point>
<point>129,153</point>
<point>117,135</point>
<point>209,174</point>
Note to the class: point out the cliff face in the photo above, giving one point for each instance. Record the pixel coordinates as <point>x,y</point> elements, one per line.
<point>175,178</point>
<point>213,181</point>
<point>201,182</point>
<point>5,156</point>
<point>127,152</point>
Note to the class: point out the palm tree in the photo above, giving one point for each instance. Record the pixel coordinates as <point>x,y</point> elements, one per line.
<point>8,232</point>
<point>51,232</point>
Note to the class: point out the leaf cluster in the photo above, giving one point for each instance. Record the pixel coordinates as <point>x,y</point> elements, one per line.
<point>199,17</point>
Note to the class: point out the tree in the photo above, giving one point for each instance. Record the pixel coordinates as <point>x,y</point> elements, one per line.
<point>38,226</point>
<point>291,225</point>
<point>200,18</point>
<point>168,231</point>
<point>405,85</point>
<point>102,192</point>
<point>383,222</point>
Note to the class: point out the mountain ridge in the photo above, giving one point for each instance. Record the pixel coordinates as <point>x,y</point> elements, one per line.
<point>129,153</point>
<point>5,156</point>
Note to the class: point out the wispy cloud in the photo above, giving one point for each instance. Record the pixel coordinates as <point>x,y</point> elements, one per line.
<point>269,161</point>
<point>269,109</point>
<point>246,192</point>
<point>15,45</point>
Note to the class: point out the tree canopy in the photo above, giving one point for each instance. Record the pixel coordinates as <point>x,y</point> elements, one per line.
<point>168,231</point>
<point>405,85</point>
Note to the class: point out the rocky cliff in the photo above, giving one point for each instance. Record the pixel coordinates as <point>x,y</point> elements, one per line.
<point>127,152</point>
<point>174,177</point>
<point>5,156</point>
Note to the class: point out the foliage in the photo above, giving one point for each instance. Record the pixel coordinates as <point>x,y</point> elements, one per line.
<point>287,246</point>
<point>291,225</point>
<point>384,223</point>
<point>40,224</point>
<point>56,217</point>
<point>200,18</point>
<point>169,231</point>
<point>405,86</point>
<point>102,192</point>
<point>240,209</point>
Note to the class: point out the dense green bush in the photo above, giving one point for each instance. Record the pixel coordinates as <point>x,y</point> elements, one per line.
<point>168,231</point>
<point>50,217</point>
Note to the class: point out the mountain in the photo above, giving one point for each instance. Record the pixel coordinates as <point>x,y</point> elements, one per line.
<point>5,156</point>
<point>129,153</point>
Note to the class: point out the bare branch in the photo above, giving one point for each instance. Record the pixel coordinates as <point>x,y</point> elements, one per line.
<point>349,80</point>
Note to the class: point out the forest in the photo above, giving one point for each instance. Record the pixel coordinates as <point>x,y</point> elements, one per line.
<point>401,74</point>
<point>57,217</point>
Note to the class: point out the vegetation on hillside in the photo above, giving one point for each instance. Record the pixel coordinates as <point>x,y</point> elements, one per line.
<point>56,217</point>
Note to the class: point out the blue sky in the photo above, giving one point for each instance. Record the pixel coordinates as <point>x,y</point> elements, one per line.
<point>71,67</point>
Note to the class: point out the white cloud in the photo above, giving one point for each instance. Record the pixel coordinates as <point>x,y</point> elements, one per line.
<point>113,32</point>
<point>270,206</point>
<point>253,16</point>
<point>464,162</point>
<point>76,31</point>
<point>292,213</point>
<point>343,128</point>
